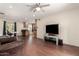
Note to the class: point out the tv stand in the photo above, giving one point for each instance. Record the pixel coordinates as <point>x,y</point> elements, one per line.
<point>52,36</point>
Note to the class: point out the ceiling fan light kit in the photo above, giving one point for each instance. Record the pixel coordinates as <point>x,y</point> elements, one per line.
<point>37,6</point>
<point>38,9</point>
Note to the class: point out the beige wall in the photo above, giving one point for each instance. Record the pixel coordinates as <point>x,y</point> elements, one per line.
<point>19,27</point>
<point>68,26</point>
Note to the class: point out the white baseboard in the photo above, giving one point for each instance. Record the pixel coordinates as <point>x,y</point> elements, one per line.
<point>70,44</point>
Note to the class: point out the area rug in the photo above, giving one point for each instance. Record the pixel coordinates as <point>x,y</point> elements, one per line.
<point>10,45</point>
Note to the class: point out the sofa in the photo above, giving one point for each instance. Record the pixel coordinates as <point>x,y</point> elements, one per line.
<point>6,39</point>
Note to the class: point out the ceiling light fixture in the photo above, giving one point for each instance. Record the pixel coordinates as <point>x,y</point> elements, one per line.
<point>38,8</point>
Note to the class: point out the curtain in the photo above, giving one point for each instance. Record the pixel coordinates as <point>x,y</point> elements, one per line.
<point>4,27</point>
<point>15,28</point>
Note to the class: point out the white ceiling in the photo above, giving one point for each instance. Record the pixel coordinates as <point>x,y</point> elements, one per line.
<point>19,11</point>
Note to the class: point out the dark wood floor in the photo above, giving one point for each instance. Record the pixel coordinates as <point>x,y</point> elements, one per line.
<point>38,47</point>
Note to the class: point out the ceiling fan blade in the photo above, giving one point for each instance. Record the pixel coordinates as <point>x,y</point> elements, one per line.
<point>45,5</point>
<point>37,4</point>
<point>31,5</point>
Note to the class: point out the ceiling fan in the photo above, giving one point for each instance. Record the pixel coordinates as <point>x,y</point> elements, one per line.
<point>37,6</point>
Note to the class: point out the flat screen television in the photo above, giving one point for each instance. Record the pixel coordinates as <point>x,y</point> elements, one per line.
<point>53,28</point>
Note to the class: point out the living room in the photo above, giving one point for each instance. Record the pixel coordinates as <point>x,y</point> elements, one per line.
<point>24,26</point>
